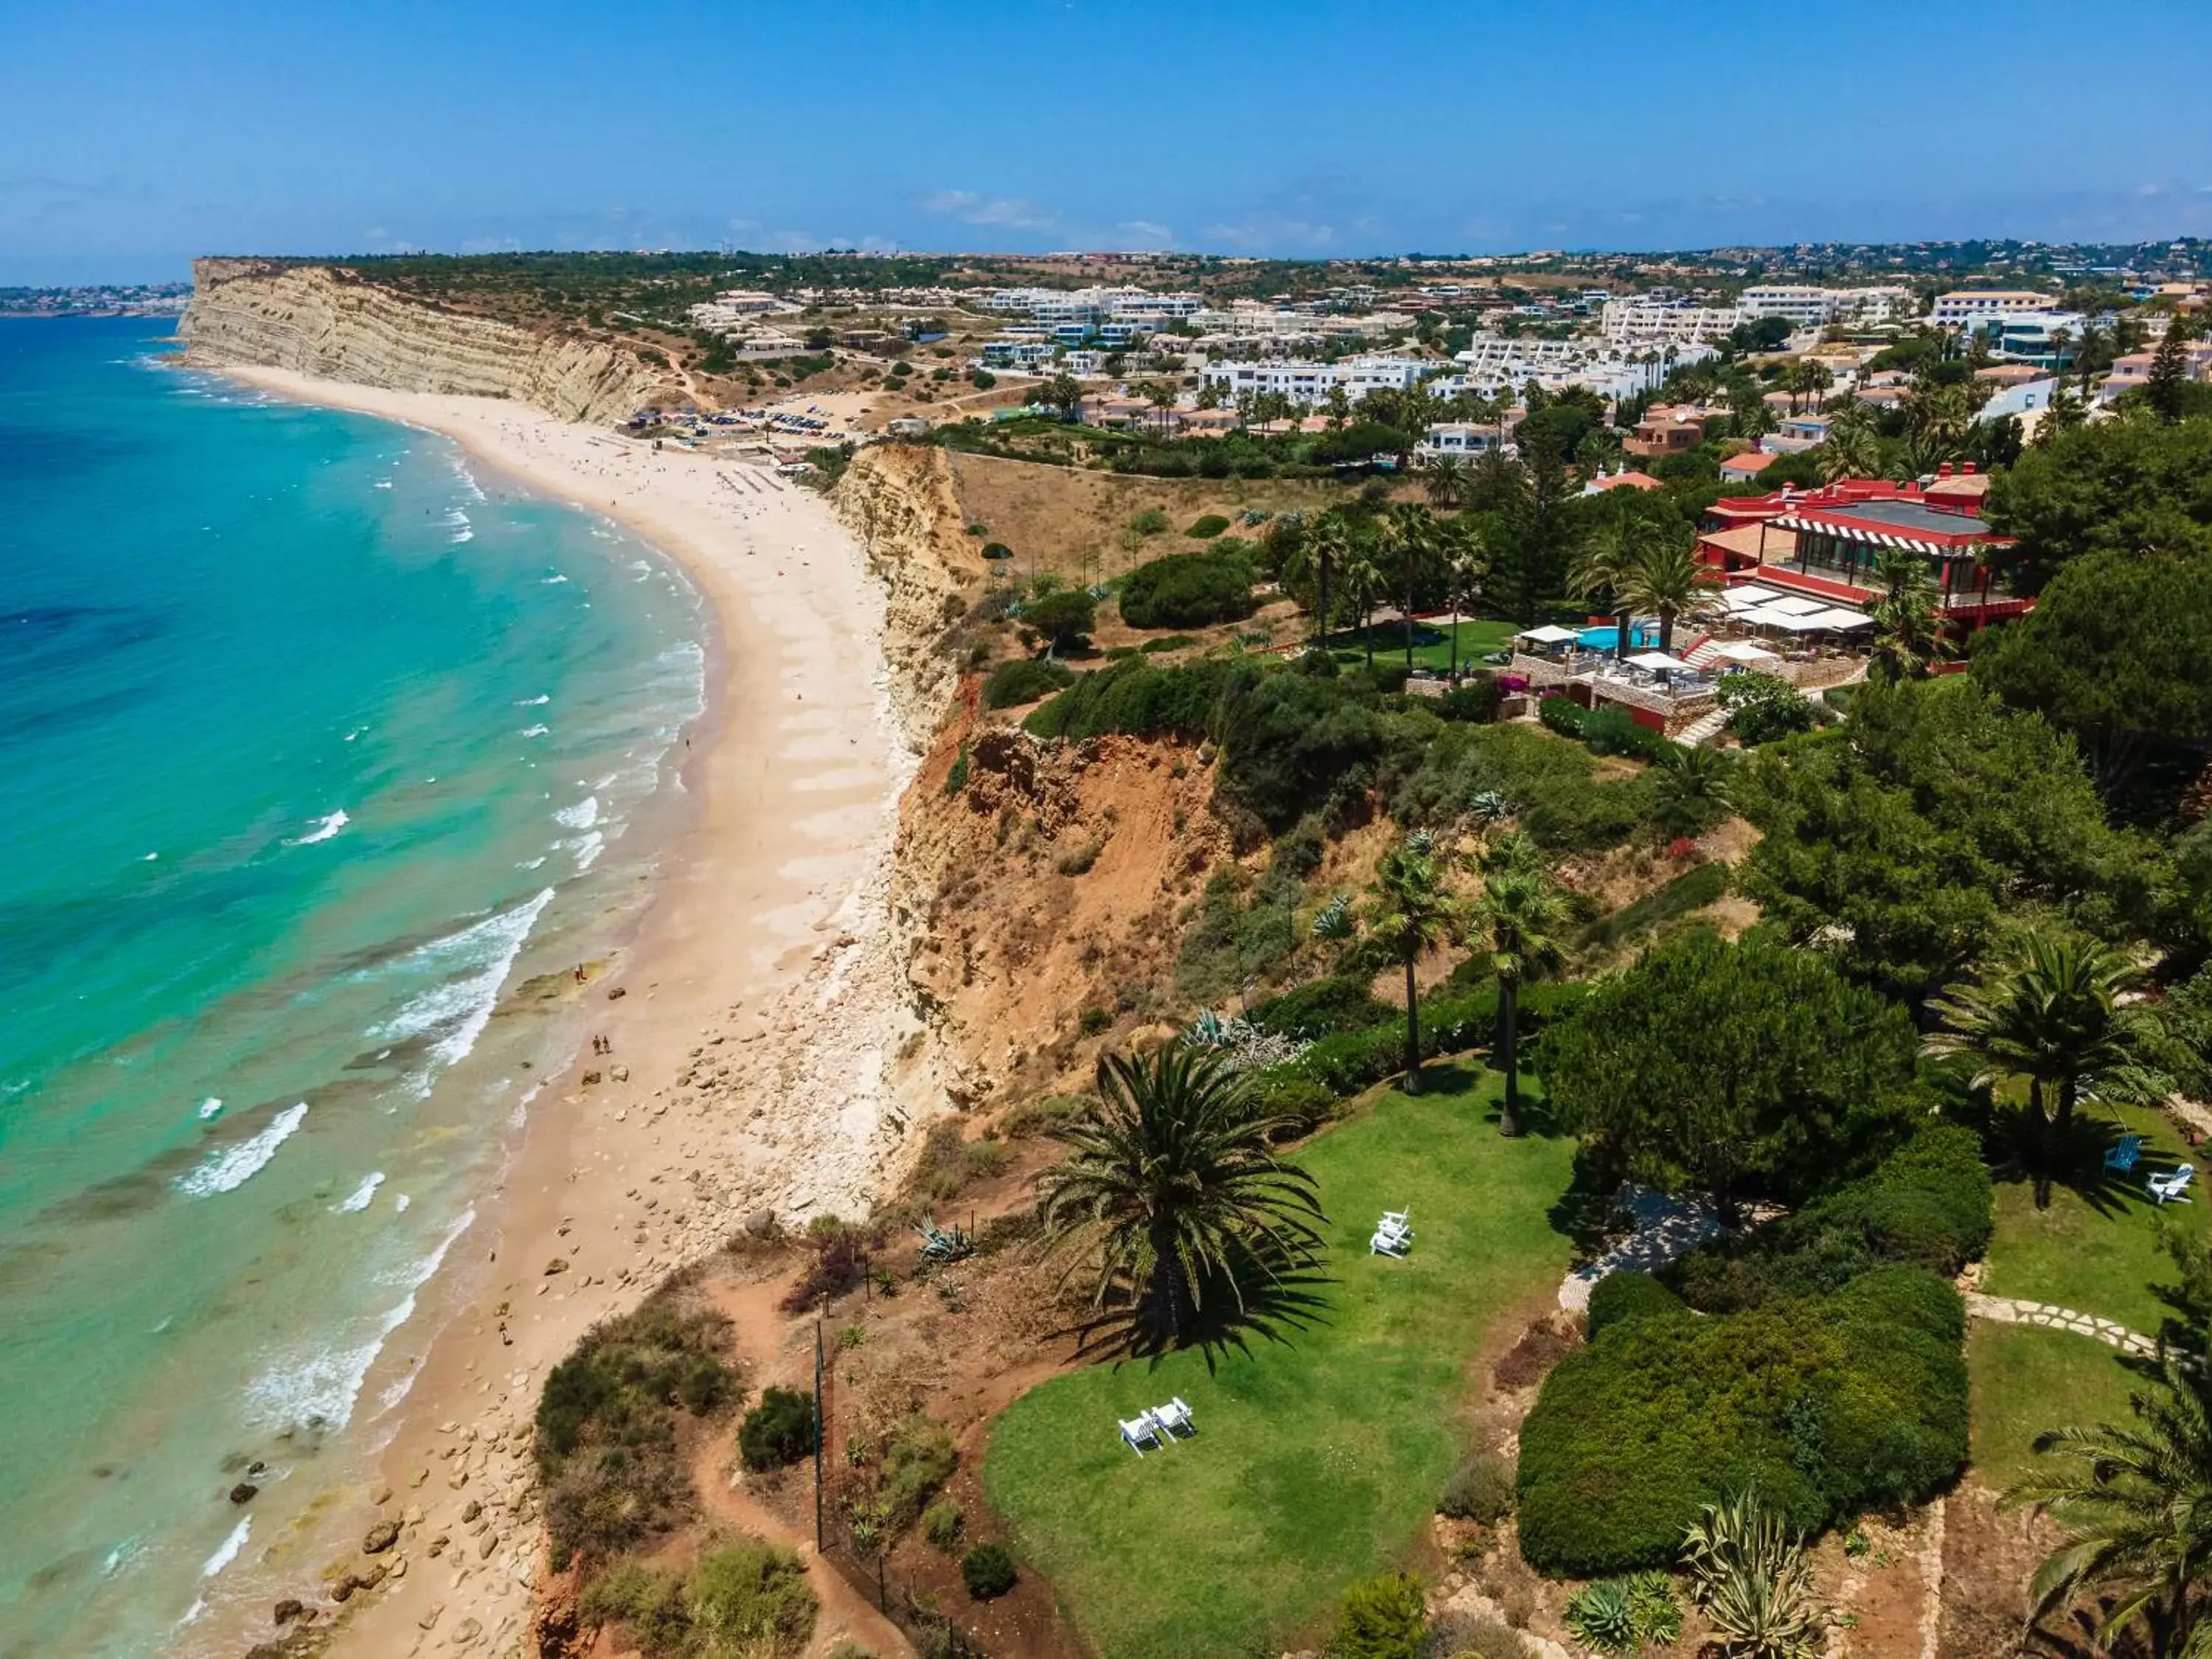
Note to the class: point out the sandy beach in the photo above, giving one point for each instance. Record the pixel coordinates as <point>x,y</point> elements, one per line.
<point>755,1022</point>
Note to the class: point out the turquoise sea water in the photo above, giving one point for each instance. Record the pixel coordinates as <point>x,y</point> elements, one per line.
<point>317,748</point>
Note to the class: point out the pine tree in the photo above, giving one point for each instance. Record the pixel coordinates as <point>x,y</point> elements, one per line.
<point>2169,369</point>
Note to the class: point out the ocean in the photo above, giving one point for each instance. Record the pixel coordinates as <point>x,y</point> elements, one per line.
<point>327,759</point>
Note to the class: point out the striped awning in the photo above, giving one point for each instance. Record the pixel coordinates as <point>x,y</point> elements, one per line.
<point>1852,532</point>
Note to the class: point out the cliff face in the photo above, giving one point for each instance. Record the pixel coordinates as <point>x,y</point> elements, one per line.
<point>324,320</point>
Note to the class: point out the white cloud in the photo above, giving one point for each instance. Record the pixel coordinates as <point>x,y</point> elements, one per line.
<point>1143,234</point>
<point>1009,212</point>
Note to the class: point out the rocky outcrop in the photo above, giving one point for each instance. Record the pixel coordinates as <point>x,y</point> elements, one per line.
<point>330,321</point>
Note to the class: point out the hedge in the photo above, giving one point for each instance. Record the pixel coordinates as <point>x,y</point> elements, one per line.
<point>1827,1405</point>
<point>1619,1298</point>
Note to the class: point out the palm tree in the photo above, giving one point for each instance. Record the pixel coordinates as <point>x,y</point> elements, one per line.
<point>1466,566</point>
<point>1444,480</point>
<point>1696,788</point>
<point>1409,536</point>
<point>1410,912</point>
<point>1667,577</point>
<point>1172,1179</point>
<point>2136,1503</point>
<point>1849,451</point>
<point>1908,629</point>
<point>1518,919</point>
<point>1323,544</point>
<point>1599,571</point>
<point>1364,569</point>
<point>2050,1014</point>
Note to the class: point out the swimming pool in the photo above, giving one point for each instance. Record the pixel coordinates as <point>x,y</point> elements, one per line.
<point>1605,639</point>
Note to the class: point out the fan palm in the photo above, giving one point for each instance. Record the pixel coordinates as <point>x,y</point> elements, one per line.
<point>1410,912</point>
<point>1444,480</point>
<point>1172,1177</point>
<point>1696,788</point>
<point>2136,1503</point>
<point>1908,627</point>
<point>1666,576</point>
<point>1517,920</point>
<point>1850,450</point>
<point>2051,1014</point>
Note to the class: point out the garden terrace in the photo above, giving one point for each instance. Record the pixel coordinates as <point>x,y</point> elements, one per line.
<point>1317,1457</point>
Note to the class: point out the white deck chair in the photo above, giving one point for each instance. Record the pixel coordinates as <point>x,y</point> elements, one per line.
<point>1174,1417</point>
<point>2171,1188</point>
<point>1386,1243</point>
<point>1141,1432</point>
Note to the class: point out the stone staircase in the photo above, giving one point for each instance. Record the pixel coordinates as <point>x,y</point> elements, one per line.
<point>1704,729</point>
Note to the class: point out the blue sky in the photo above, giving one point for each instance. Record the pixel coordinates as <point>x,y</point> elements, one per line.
<point>132,137</point>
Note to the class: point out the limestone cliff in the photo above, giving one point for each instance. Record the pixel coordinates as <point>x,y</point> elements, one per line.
<point>327,321</point>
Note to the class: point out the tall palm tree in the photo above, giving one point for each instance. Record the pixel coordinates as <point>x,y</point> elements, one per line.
<point>1599,570</point>
<point>1908,629</point>
<point>2051,1014</point>
<point>1172,1179</point>
<point>1518,920</point>
<point>1410,912</point>
<point>1323,543</point>
<point>1366,571</point>
<point>1849,451</point>
<point>1445,481</point>
<point>2136,1503</point>
<point>1409,539</point>
<point>1667,577</point>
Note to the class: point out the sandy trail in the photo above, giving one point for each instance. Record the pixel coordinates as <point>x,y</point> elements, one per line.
<point>762,1007</point>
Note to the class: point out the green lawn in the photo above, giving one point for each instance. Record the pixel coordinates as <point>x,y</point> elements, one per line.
<point>2100,1254</point>
<point>2024,1381</point>
<point>1315,1460</point>
<point>1475,637</point>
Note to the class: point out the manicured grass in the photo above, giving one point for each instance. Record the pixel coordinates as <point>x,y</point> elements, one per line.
<point>1319,1458</point>
<point>1475,637</point>
<point>2024,1381</point>
<point>2099,1253</point>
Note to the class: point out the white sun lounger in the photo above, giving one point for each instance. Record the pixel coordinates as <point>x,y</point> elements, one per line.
<point>2171,1188</point>
<point>1141,1432</point>
<point>1388,1242</point>
<point>1173,1419</point>
<point>1401,1219</point>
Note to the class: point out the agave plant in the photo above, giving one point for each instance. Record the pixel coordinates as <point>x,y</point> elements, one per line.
<point>1488,806</point>
<point>1603,1616</point>
<point>1753,1580</point>
<point>1652,1607</point>
<point>1333,920</point>
<point>1208,1030</point>
<point>944,1244</point>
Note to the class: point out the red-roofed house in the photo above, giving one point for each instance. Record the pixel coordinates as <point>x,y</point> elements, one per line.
<point>1742,469</point>
<point>1623,479</point>
<point>1836,534</point>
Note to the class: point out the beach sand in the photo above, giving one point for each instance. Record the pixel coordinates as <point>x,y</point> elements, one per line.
<point>767,975</point>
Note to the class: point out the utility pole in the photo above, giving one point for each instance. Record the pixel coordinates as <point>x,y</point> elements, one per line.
<point>817,1432</point>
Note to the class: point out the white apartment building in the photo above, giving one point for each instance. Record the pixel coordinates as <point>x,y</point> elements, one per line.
<point>1458,442</point>
<point>1310,384</point>
<point>1963,306</point>
<point>1816,307</point>
<point>1493,362</point>
<point>1644,320</point>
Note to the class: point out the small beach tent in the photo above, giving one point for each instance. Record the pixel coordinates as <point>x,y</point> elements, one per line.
<point>1549,634</point>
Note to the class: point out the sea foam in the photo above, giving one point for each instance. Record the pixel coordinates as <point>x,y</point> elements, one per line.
<point>227,1552</point>
<point>323,829</point>
<point>363,1196</point>
<point>232,1167</point>
<point>479,956</point>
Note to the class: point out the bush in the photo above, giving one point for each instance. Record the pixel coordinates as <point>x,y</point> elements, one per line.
<point>751,1597</point>
<point>1610,729</point>
<point>918,1458</point>
<point>1136,698</point>
<point>996,550</point>
<point>1563,715</point>
<point>1479,1489</point>
<point>1166,642</point>
<point>649,1604</point>
<point>1474,700</point>
<point>1191,590</point>
<point>1303,1105</point>
<point>1063,617</point>
<point>1764,706</point>
<point>1206,529</point>
<point>1024,680</point>
<point>778,1432</point>
<point>1546,784</point>
<point>1324,1006</point>
<point>1828,1406</point>
<point>1384,1617</point>
<point>988,1571</point>
<point>941,1523</point>
<point>841,1261</point>
<point>1482,1638</point>
<point>1619,1298</point>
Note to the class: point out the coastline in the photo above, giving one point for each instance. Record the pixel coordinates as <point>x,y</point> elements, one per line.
<point>756,1019</point>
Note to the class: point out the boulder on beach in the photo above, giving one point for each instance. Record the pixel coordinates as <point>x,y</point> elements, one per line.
<point>379,1538</point>
<point>288,1610</point>
<point>243,1492</point>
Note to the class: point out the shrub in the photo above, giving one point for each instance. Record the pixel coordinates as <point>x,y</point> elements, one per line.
<point>841,1261</point>
<point>1482,1638</point>
<point>1324,1006</point>
<point>609,1498</point>
<point>941,1523</point>
<point>918,1458</point>
<point>1384,1616</point>
<point>1135,698</point>
<point>1764,706</point>
<point>1474,700</point>
<point>1024,680</point>
<point>1563,715</point>
<point>1063,617</point>
<point>649,1604</point>
<point>956,776</point>
<point>1191,590</point>
<point>1152,521</point>
<point>988,1571</point>
<point>1479,1489</point>
<point>778,1432</point>
<point>1303,1105</point>
<point>1166,642</point>
<point>1610,729</point>
<point>1206,529</point>
<point>751,1597</point>
<point>996,550</point>
<point>1619,1298</point>
<point>1827,1405</point>
<point>1092,1021</point>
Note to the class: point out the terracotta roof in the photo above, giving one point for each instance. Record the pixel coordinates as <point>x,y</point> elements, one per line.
<point>1743,541</point>
<point>1749,465</point>
<point>1632,480</point>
